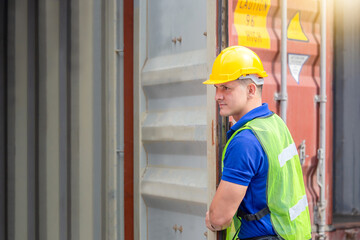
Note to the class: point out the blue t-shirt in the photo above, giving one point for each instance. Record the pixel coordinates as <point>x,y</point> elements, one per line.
<point>246,163</point>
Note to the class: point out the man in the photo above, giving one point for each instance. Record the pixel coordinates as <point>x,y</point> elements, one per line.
<point>261,194</point>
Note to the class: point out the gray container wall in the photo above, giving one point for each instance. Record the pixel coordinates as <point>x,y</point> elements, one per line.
<point>3,122</point>
<point>174,165</point>
<point>120,116</point>
<point>60,109</point>
<point>347,109</point>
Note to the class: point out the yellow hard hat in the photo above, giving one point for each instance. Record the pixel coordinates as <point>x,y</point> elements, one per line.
<point>233,63</point>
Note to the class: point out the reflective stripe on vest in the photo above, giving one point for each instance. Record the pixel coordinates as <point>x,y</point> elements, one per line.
<point>285,190</point>
<point>287,154</point>
<point>299,207</point>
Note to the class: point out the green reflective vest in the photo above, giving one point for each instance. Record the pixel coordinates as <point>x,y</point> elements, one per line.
<point>286,197</point>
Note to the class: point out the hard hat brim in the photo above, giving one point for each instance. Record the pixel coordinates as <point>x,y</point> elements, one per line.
<point>224,80</point>
<point>214,81</point>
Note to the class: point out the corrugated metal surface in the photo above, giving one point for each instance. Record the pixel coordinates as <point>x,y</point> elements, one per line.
<point>347,109</point>
<point>129,119</point>
<point>61,112</point>
<point>17,118</point>
<point>49,124</point>
<point>120,118</point>
<point>61,99</point>
<point>110,186</point>
<point>64,126</point>
<point>3,118</point>
<point>257,24</point>
<point>352,233</point>
<point>172,112</point>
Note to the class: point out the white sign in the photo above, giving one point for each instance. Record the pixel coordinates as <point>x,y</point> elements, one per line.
<point>296,62</point>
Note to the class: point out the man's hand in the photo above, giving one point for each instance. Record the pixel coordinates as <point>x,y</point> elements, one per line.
<point>207,222</point>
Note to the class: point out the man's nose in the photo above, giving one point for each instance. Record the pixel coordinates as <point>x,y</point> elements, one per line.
<point>218,95</point>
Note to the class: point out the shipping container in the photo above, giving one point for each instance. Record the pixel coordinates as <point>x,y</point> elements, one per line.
<point>58,120</point>
<point>259,26</point>
<point>346,117</point>
<point>303,63</point>
<point>174,44</point>
<point>107,132</point>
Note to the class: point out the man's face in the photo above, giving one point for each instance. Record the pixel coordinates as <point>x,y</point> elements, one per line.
<point>232,99</point>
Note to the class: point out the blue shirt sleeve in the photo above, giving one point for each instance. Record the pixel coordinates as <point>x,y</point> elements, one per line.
<point>243,157</point>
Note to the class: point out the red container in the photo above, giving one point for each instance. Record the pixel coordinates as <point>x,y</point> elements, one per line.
<point>257,25</point>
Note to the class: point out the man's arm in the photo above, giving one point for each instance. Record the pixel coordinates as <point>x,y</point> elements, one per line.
<point>224,205</point>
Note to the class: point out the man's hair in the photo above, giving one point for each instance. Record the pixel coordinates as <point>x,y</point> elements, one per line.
<point>245,82</point>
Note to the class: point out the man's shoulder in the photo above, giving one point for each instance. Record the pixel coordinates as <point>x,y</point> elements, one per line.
<point>244,135</point>
<point>244,139</point>
<point>244,153</point>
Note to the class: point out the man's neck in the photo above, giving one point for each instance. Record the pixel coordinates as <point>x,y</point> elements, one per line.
<point>250,106</point>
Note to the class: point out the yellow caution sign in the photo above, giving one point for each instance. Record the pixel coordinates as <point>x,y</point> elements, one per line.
<point>250,23</point>
<point>295,31</point>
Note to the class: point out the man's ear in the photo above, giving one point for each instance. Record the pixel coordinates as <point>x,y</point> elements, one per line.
<point>251,88</point>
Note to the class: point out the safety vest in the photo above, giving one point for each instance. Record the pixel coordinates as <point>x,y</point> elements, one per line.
<point>285,191</point>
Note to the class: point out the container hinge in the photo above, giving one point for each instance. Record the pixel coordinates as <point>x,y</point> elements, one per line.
<point>302,154</point>
<point>320,154</point>
<point>320,99</point>
<point>280,97</point>
<point>118,51</point>
<point>120,151</point>
<point>316,215</point>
